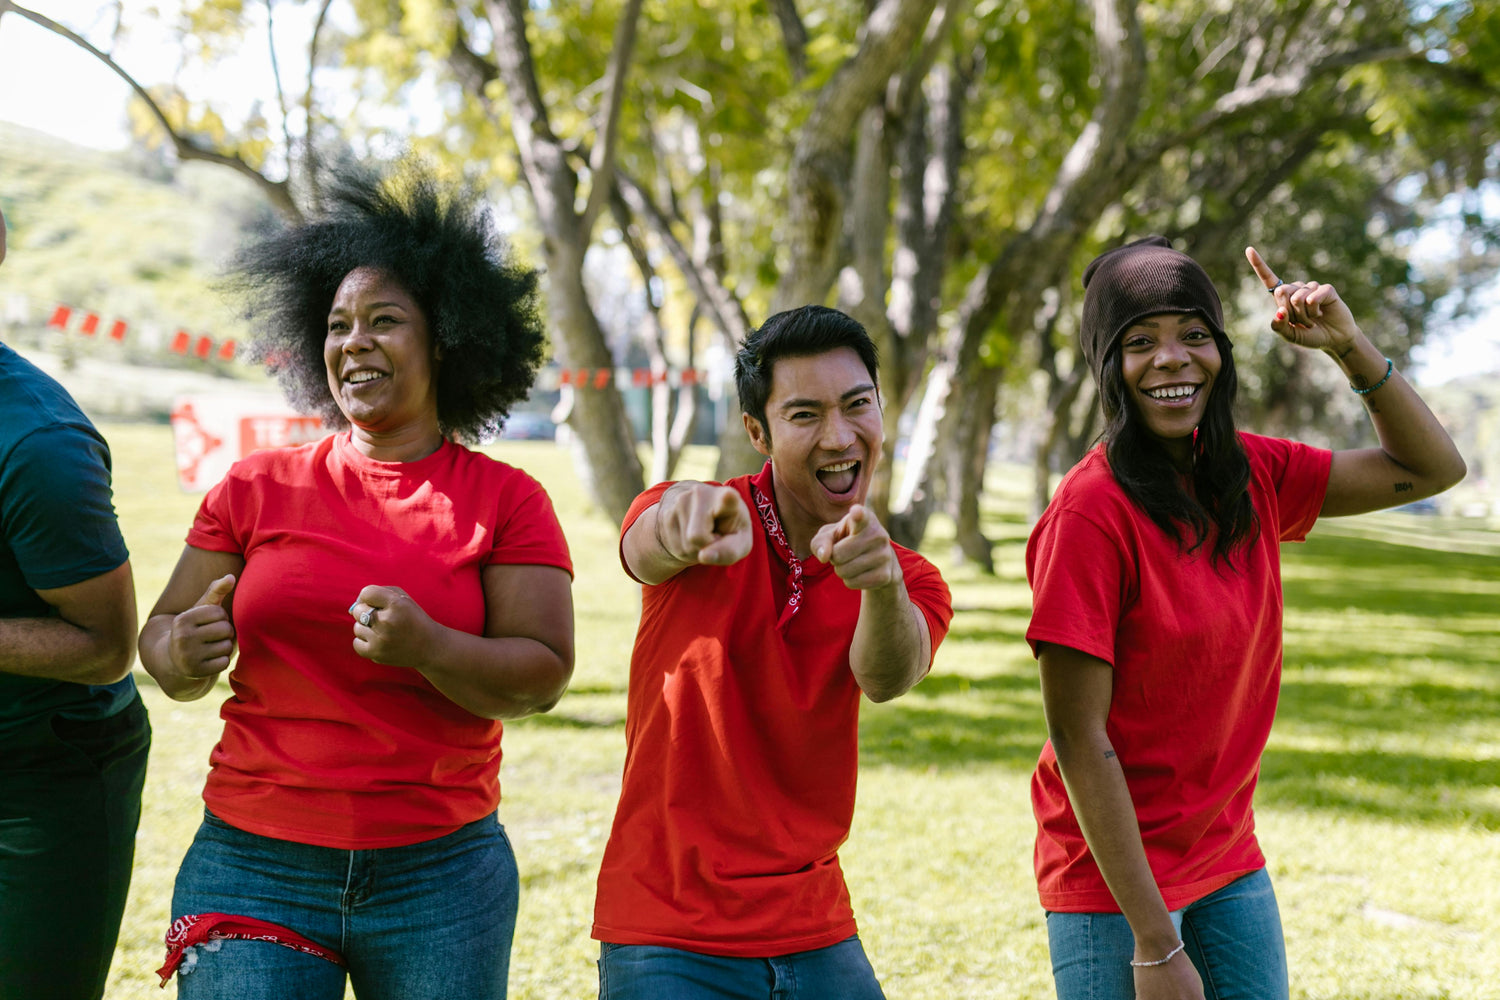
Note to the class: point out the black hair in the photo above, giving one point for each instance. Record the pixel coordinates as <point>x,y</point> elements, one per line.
<point>796,333</point>
<point>440,245</point>
<point>1219,502</point>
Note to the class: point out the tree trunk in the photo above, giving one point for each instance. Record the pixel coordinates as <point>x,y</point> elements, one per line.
<point>970,454</point>
<point>598,415</point>
<point>1060,399</point>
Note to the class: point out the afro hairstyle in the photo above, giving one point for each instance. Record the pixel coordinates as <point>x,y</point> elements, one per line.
<point>440,244</point>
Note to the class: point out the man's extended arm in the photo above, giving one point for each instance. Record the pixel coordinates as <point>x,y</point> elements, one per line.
<point>892,645</point>
<point>692,523</point>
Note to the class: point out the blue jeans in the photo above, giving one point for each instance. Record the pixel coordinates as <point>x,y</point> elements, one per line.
<point>430,921</point>
<point>650,972</point>
<point>1233,937</point>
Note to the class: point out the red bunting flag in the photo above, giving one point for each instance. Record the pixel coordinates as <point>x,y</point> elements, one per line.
<point>181,342</point>
<point>203,347</point>
<point>60,317</point>
<point>90,325</point>
<point>226,351</point>
<point>117,331</point>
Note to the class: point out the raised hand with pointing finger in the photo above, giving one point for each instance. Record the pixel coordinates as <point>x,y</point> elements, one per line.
<point>1308,313</point>
<point>693,524</point>
<point>859,549</point>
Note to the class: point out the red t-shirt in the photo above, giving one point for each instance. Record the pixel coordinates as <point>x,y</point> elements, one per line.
<point>742,744</point>
<point>1196,651</point>
<point>320,745</point>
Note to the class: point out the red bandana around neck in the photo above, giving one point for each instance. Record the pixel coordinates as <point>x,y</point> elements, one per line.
<point>766,508</point>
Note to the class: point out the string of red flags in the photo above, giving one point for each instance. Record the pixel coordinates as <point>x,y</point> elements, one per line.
<point>89,324</point>
<point>622,378</point>
<point>86,323</point>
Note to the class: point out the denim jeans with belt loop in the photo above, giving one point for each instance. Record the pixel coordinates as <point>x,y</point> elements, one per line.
<point>427,921</point>
<point>1233,938</point>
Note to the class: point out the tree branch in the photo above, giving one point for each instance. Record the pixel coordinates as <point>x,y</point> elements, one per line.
<point>309,154</point>
<point>1092,175</point>
<point>277,192</point>
<point>286,127</point>
<point>820,157</point>
<point>1272,87</point>
<point>793,36</point>
<point>725,308</point>
<point>602,162</point>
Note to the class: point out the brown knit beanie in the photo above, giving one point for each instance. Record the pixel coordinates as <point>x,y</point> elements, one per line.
<point>1137,280</point>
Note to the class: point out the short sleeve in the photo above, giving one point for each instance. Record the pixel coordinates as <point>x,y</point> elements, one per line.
<point>1299,475</point>
<point>213,525</point>
<point>532,535</point>
<point>927,589</point>
<point>56,507</point>
<point>639,506</point>
<point>1080,583</point>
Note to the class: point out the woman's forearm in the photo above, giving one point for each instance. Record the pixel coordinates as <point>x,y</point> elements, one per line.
<point>1101,801</point>
<point>1407,430</point>
<point>496,677</point>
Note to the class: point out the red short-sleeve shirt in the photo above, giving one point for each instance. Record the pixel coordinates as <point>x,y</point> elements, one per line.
<point>741,755</point>
<point>1196,651</point>
<point>320,745</point>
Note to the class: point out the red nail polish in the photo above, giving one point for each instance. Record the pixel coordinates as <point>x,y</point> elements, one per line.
<point>1280,315</point>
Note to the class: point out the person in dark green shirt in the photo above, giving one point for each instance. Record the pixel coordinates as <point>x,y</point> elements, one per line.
<point>73,733</point>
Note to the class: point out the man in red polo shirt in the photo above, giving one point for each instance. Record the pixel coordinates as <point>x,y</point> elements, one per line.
<point>770,603</point>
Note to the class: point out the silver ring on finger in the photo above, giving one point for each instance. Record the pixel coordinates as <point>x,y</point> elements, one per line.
<point>366,618</point>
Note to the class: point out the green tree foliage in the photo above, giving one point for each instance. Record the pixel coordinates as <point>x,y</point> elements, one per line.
<point>948,197</point>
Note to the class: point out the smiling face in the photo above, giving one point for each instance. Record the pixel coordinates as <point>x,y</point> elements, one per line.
<point>825,433</point>
<point>382,368</point>
<point>1168,363</point>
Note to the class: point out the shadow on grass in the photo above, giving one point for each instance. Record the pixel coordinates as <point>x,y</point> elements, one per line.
<point>1419,663</point>
<point>1410,788</point>
<point>952,721</point>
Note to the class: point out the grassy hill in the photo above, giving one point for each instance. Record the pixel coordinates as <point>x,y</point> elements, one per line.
<point>119,234</point>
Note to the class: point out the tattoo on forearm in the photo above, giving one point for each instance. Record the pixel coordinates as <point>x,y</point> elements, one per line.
<point>1402,487</point>
<point>1360,382</point>
<point>1108,754</point>
<point>1346,352</point>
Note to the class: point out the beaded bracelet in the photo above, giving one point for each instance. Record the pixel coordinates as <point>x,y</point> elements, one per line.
<point>1390,366</point>
<point>1161,961</point>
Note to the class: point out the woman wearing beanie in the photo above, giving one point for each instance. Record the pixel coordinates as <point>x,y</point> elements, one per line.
<point>1157,622</point>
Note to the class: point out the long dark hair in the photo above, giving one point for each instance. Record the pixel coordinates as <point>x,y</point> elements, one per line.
<point>1219,502</point>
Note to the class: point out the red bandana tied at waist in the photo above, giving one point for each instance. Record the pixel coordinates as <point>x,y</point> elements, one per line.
<point>201,928</point>
<point>767,511</point>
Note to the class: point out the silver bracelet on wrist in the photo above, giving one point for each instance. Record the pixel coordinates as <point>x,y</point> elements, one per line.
<point>1161,961</point>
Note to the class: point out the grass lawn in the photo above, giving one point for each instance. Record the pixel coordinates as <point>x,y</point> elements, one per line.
<point>1379,805</point>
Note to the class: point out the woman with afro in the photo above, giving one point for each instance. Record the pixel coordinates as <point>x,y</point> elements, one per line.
<point>1156,619</point>
<point>392,595</point>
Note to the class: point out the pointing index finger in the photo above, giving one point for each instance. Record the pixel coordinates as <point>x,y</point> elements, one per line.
<point>1262,270</point>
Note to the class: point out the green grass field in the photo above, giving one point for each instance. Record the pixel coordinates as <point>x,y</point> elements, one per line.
<point>1379,804</point>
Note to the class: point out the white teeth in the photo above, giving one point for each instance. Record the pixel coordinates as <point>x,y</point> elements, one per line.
<point>1172,392</point>
<point>365,376</point>
<point>841,467</point>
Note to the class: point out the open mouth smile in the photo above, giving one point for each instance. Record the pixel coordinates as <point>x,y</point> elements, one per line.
<point>840,477</point>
